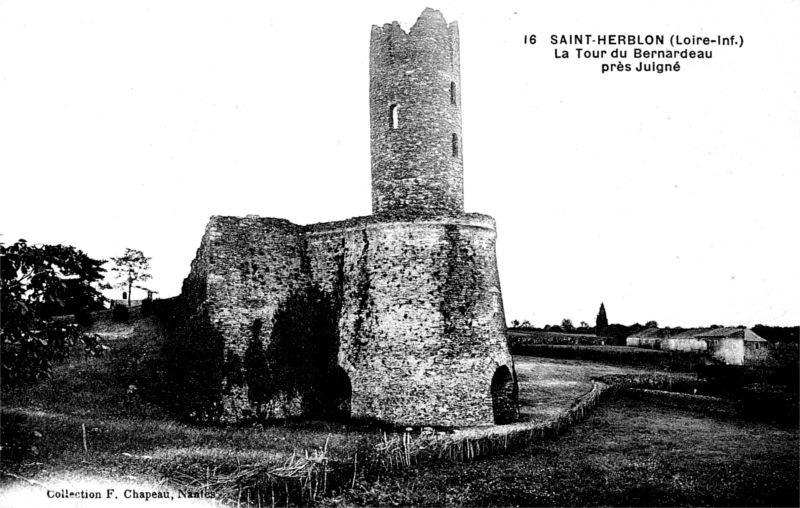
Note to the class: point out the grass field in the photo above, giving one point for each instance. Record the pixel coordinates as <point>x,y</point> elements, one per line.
<point>87,421</point>
<point>88,426</point>
<point>628,453</point>
<point>547,386</point>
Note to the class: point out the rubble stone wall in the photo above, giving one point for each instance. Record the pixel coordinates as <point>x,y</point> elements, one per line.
<point>415,116</point>
<point>421,329</point>
<point>421,326</point>
<point>756,353</point>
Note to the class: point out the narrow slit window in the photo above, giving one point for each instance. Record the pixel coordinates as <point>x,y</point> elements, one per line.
<point>394,116</point>
<point>455,145</point>
<point>452,92</point>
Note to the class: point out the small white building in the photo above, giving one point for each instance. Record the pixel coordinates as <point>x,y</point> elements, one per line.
<point>734,346</point>
<point>687,341</point>
<point>649,338</point>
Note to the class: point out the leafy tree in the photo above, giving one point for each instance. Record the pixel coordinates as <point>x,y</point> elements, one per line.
<point>515,323</point>
<point>131,267</point>
<point>778,333</point>
<point>566,325</point>
<point>80,296</point>
<point>35,278</point>
<point>651,324</point>
<point>526,324</point>
<point>602,320</point>
<point>584,324</point>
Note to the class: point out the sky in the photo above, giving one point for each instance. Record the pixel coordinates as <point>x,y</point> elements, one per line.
<point>668,196</point>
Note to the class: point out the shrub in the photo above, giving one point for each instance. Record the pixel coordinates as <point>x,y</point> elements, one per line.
<point>638,357</point>
<point>84,318</point>
<point>16,437</point>
<point>147,307</point>
<point>120,313</point>
<point>186,377</point>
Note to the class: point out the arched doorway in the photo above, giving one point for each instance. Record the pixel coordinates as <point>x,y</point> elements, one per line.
<point>337,394</point>
<point>504,396</point>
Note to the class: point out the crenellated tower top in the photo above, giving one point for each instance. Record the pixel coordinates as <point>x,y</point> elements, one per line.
<point>415,117</point>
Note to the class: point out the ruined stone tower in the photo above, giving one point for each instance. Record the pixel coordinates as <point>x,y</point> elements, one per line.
<point>413,288</point>
<point>415,117</point>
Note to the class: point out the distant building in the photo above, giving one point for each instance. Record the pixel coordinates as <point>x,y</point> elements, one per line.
<point>734,346</point>
<point>648,338</point>
<point>686,341</point>
<point>124,302</point>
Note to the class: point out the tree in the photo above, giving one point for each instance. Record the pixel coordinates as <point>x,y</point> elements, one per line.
<point>602,320</point>
<point>566,325</point>
<point>131,267</point>
<point>79,296</point>
<point>651,324</point>
<point>35,278</point>
<point>526,324</point>
<point>515,323</point>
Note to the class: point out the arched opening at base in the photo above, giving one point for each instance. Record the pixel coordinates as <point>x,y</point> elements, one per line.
<point>337,393</point>
<point>504,396</point>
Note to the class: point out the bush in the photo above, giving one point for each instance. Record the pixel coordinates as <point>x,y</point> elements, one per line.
<point>16,437</point>
<point>84,318</point>
<point>147,307</point>
<point>120,313</point>
<point>186,376</point>
<point>676,361</point>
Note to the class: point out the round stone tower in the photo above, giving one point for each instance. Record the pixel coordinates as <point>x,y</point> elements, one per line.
<point>414,287</point>
<point>415,117</point>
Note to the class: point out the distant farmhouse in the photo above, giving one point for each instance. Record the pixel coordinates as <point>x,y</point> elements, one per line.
<point>734,346</point>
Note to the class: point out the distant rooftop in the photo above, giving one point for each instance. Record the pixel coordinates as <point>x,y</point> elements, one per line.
<point>700,333</point>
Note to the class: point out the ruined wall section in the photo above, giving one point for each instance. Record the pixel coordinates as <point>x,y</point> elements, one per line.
<point>420,313</point>
<point>195,285</point>
<point>415,117</point>
<point>254,264</point>
<point>421,322</point>
<point>245,267</point>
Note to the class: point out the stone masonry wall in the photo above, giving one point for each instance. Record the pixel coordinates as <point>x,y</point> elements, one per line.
<point>254,264</point>
<point>422,327</point>
<point>245,267</point>
<point>756,353</point>
<point>418,163</point>
<point>729,350</point>
<point>421,323</point>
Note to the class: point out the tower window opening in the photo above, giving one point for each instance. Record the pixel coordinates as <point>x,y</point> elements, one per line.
<point>455,145</point>
<point>394,116</point>
<point>452,92</point>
